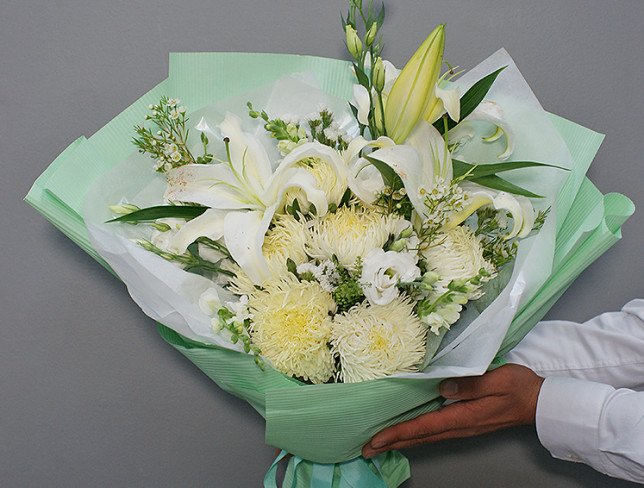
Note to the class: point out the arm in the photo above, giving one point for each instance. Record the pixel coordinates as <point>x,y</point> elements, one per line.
<point>576,420</point>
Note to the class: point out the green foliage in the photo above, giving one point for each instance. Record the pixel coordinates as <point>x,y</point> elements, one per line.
<point>471,99</point>
<point>151,214</point>
<point>167,142</point>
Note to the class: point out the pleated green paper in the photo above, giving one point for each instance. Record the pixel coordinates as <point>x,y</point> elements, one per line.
<point>319,423</point>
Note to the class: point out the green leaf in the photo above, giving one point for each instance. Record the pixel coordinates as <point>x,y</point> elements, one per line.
<point>486,169</point>
<point>388,174</point>
<point>162,212</point>
<point>471,99</point>
<point>498,183</point>
<point>363,79</point>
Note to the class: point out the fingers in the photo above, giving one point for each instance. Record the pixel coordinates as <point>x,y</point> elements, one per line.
<point>450,418</point>
<point>368,451</point>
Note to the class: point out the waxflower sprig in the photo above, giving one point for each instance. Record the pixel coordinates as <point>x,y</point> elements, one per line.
<point>168,145</point>
<point>319,126</point>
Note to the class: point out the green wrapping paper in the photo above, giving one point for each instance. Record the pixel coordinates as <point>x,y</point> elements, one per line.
<point>321,424</point>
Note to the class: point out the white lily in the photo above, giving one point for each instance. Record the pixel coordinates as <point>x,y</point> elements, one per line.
<point>243,194</point>
<point>486,111</point>
<point>448,100</point>
<point>519,207</point>
<point>364,180</point>
<point>420,162</point>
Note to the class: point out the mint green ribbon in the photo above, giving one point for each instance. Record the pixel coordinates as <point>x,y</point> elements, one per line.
<point>388,470</point>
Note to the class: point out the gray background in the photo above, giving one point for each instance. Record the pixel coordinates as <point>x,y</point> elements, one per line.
<point>89,394</point>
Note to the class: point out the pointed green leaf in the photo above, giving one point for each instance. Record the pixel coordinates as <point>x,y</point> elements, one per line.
<point>498,183</point>
<point>363,79</point>
<point>388,174</point>
<point>162,212</point>
<point>478,170</point>
<point>471,99</point>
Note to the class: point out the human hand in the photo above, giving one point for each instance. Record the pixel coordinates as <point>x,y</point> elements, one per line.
<point>502,398</point>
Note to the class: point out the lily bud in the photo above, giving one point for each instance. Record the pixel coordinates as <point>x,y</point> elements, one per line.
<point>354,44</point>
<point>378,74</point>
<point>413,92</point>
<point>371,34</point>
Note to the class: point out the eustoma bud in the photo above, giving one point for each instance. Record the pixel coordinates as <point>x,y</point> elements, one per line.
<point>371,34</point>
<point>413,93</point>
<point>354,44</point>
<point>378,75</point>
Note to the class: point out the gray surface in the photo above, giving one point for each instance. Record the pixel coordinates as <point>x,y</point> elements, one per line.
<point>89,395</point>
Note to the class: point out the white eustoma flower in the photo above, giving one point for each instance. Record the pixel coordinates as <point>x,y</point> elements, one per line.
<point>243,194</point>
<point>382,271</point>
<point>491,112</point>
<point>209,302</point>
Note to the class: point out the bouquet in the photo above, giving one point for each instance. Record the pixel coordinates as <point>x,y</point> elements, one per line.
<point>329,237</point>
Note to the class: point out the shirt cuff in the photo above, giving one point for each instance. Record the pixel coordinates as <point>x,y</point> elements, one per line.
<point>567,418</point>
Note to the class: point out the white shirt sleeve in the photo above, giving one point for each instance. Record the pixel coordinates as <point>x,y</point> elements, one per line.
<point>589,409</point>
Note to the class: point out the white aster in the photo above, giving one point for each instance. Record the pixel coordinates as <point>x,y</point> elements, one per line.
<point>373,341</point>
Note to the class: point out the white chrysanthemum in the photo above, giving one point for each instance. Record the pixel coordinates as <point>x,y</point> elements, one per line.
<point>285,239</point>
<point>349,233</point>
<point>292,327</point>
<point>457,256</point>
<point>327,178</point>
<point>373,341</point>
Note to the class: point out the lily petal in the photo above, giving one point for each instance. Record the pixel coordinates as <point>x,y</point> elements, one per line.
<point>244,234</point>
<point>519,207</point>
<point>451,101</point>
<point>210,224</point>
<point>212,185</point>
<point>248,156</point>
<point>406,162</point>
<point>489,111</point>
<point>434,154</point>
<point>297,178</point>
<point>362,102</point>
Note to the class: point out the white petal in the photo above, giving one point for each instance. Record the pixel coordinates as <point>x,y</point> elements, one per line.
<point>209,224</point>
<point>451,101</point>
<point>362,102</point>
<point>212,185</point>
<point>319,151</point>
<point>406,162</point>
<point>519,207</point>
<point>248,156</point>
<point>244,234</point>
<point>434,155</point>
<point>365,181</point>
<point>489,111</point>
<point>297,178</point>
<point>391,73</point>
